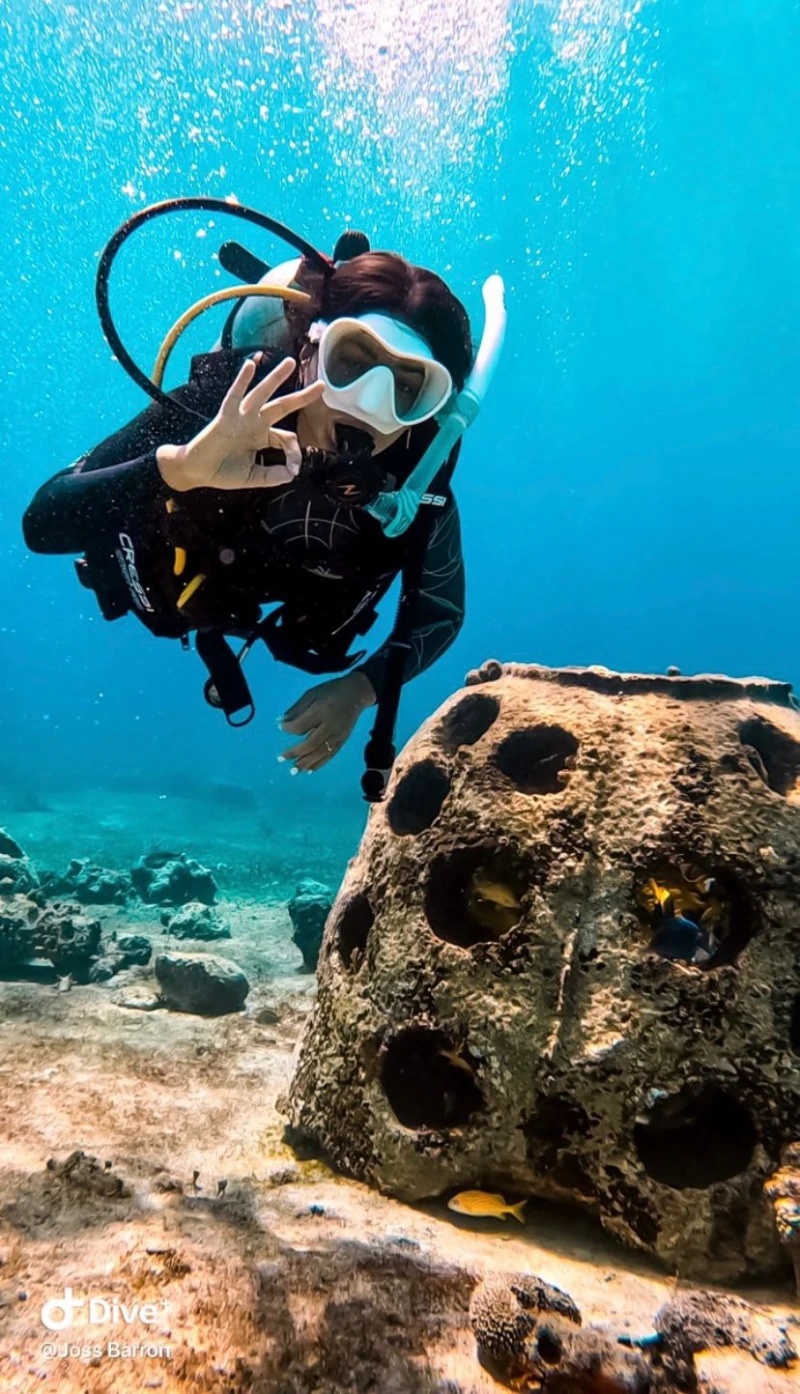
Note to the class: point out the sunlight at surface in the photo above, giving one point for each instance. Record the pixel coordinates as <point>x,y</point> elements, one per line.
<point>412,89</point>
<point>600,59</point>
<point>595,63</point>
<point>587,31</point>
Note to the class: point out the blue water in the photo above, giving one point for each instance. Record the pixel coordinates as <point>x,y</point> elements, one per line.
<point>630,494</point>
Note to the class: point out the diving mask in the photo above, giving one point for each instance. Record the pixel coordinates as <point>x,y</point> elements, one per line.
<point>379,371</point>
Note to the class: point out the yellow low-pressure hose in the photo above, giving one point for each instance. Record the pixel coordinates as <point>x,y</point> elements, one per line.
<point>297,297</point>
<point>188,591</point>
<point>179,565</point>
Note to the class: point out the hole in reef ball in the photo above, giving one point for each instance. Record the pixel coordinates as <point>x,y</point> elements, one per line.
<point>468,720</point>
<point>355,924</point>
<point>548,1347</point>
<point>794,1026</point>
<point>423,1087</point>
<point>773,755</point>
<point>696,1138</point>
<point>717,902</point>
<point>538,760</point>
<point>418,798</point>
<point>474,896</point>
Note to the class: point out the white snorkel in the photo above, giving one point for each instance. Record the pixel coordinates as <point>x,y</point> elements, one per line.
<point>396,511</point>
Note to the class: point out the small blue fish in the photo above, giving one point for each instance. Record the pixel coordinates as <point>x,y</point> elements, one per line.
<point>682,939</point>
<point>652,1342</point>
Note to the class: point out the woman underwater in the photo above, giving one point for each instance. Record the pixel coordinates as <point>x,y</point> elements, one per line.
<point>195,529</point>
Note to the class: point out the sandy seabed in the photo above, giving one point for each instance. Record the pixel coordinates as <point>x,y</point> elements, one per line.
<point>223,1261</point>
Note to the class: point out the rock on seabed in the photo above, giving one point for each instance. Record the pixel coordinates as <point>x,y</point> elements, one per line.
<point>201,983</point>
<point>195,921</point>
<point>490,1012</point>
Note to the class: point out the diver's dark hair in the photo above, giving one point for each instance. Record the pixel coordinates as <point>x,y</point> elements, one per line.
<point>385,283</point>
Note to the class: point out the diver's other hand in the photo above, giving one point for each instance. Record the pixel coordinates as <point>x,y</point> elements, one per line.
<point>224,455</point>
<point>325,716</point>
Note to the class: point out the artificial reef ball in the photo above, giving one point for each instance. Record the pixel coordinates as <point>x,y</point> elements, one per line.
<point>565,961</point>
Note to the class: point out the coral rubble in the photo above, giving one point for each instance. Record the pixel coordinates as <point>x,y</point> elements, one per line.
<point>171,878</point>
<point>308,910</point>
<point>61,934</point>
<point>530,1335</point>
<point>90,884</point>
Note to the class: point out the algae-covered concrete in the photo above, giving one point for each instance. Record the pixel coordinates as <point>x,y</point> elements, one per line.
<point>493,1007</point>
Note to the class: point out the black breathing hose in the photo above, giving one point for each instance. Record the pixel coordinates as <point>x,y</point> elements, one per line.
<point>157,210</point>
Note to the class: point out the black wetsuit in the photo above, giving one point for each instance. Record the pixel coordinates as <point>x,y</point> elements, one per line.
<point>326,562</point>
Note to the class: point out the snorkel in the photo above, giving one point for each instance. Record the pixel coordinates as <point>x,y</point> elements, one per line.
<point>396,511</point>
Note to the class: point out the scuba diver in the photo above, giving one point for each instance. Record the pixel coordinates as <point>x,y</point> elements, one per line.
<point>306,463</point>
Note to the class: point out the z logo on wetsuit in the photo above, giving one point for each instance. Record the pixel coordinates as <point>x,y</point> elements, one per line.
<point>126,557</point>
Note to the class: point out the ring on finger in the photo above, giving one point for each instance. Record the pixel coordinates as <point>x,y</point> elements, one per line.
<point>329,747</point>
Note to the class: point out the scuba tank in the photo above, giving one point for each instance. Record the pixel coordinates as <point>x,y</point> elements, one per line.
<point>259,321</point>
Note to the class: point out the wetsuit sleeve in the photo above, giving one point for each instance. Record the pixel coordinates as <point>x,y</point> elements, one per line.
<point>116,485</point>
<point>77,507</point>
<point>440,604</point>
